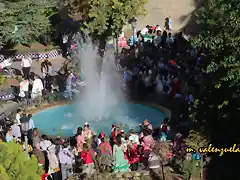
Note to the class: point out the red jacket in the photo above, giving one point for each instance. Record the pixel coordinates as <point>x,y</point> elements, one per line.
<point>133,156</point>
<point>44,176</point>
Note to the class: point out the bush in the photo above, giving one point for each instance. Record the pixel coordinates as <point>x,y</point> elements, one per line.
<point>14,163</point>
<point>2,79</point>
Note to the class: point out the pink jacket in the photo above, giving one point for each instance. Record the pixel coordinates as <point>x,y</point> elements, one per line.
<point>80,142</point>
<point>148,142</point>
<point>105,148</point>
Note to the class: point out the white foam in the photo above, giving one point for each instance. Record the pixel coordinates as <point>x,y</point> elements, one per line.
<point>67,126</point>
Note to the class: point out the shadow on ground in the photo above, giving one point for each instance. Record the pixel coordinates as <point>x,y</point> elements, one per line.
<point>192,28</point>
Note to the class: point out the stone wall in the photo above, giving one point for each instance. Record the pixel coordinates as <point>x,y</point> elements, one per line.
<point>155,174</point>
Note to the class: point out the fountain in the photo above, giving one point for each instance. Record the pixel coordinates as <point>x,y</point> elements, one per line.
<point>103,83</point>
<point>101,102</point>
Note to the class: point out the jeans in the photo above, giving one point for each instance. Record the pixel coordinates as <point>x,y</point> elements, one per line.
<point>67,171</point>
<point>69,91</point>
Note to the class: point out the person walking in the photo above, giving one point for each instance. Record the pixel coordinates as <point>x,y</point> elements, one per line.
<point>26,66</point>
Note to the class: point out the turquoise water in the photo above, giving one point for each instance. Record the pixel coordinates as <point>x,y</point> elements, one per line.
<point>64,120</point>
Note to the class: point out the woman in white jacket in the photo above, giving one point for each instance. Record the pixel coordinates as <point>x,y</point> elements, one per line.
<point>37,87</point>
<point>24,87</point>
<point>54,169</point>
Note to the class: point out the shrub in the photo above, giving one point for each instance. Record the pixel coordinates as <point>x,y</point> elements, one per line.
<point>14,163</point>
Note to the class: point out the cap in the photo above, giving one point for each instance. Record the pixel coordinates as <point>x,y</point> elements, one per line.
<point>86,123</point>
<point>122,130</point>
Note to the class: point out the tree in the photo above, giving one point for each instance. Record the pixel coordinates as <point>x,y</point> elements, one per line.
<point>107,17</point>
<point>77,9</point>
<point>216,109</point>
<point>220,38</point>
<point>24,20</point>
<point>15,165</point>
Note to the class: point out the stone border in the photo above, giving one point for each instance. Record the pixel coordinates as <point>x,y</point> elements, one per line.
<point>166,111</point>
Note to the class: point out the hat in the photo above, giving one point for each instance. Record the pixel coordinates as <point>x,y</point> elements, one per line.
<point>122,130</point>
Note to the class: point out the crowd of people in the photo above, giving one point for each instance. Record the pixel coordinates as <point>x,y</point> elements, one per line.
<point>162,64</point>
<point>86,151</point>
<point>165,64</point>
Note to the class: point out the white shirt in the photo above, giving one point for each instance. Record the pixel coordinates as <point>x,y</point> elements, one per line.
<point>31,124</point>
<point>158,29</point>
<point>170,40</point>
<point>16,132</point>
<point>45,144</point>
<point>24,85</point>
<point>157,40</point>
<point>134,138</point>
<point>144,31</point>
<point>26,62</point>
<point>18,118</point>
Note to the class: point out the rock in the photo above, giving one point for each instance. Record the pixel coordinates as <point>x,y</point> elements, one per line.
<point>137,174</point>
<point>128,174</point>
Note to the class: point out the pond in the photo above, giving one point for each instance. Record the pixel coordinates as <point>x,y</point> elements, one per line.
<point>64,120</point>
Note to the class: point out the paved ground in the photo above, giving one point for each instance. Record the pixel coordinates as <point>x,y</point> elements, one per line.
<point>8,106</point>
<point>181,12</point>
<point>36,66</point>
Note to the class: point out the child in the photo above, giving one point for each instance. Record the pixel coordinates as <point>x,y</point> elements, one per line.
<point>105,150</point>
<point>87,157</point>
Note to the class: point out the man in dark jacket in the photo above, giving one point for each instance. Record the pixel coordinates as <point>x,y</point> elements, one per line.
<point>24,120</point>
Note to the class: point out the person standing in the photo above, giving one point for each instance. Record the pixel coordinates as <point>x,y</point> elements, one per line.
<point>24,87</point>
<point>170,22</point>
<point>18,116</point>
<point>120,163</point>
<point>44,71</point>
<point>66,159</point>
<point>30,128</point>
<point>24,119</point>
<point>37,87</point>
<point>69,93</point>
<point>16,131</point>
<point>26,66</point>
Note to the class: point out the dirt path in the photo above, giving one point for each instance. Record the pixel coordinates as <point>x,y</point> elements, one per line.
<point>158,10</point>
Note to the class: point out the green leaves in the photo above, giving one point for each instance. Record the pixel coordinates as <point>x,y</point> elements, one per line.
<point>24,20</point>
<point>108,17</point>
<point>219,99</point>
<point>15,165</point>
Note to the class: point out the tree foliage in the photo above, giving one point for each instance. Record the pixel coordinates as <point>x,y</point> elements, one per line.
<point>24,20</point>
<point>220,39</point>
<point>105,17</point>
<point>15,165</point>
<point>109,16</point>
<point>77,9</point>
<point>216,109</point>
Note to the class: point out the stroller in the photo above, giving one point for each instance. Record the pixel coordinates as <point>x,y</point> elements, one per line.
<point>4,67</point>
